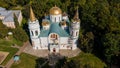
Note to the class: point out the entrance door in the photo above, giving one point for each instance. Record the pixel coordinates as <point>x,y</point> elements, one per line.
<point>54,50</point>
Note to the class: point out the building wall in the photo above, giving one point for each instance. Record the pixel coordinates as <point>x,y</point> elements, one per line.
<point>2,17</point>
<point>36,43</point>
<point>65,17</point>
<point>44,42</point>
<point>33,27</point>
<point>20,17</point>
<point>64,44</point>
<point>9,24</point>
<point>56,18</point>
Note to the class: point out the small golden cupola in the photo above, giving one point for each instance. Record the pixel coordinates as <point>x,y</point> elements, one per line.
<point>55,11</point>
<point>32,16</point>
<point>63,24</point>
<point>45,24</point>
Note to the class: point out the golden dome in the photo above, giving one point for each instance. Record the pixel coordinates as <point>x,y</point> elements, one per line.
<point>55,11</point>
<point>45,23</point>
<point>63,23</point>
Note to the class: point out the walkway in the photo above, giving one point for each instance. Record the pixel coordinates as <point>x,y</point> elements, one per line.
<point>39,53</point>
<point>44,53</point>
<point>11,61</point>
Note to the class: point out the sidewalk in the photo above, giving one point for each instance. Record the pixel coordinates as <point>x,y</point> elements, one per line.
<point>11,61</point>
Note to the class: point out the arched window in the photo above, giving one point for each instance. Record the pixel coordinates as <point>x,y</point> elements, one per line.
<point>36,32</point>
<point>76,33</point>
<point>54,36</point>
<point>55,19</point>
<point>59,18</point>
<point>72,33</point>
<point>32,33</point>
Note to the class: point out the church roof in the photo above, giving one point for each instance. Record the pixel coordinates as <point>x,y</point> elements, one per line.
<point>55,11</point>
<point>54,28</point>
<point>32,16</point>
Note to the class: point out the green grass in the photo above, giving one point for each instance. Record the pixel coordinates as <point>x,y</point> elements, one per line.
<point>19,43</point>
<point>5,45</point>
<point>26,61</point>
<point>11,51</point>
<point>88,59</point>
<point>10,42</point>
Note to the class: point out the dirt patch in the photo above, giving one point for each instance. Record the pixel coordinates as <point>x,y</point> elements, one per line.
<point>3,55</point>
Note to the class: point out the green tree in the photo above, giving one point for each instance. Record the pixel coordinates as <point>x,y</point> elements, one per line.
<point>20,34</point>
<point>23,2</point>
<point>11,2</point>
<point>83,60</point>
<point>16,21</point>
<point>3,30</point>
<point>87,42</point>
<point>111,44</point>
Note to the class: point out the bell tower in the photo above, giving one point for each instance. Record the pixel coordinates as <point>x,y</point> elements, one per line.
<point>34,29</point>
<point>75,25</point>
<point>34,26</point>
<point>74,29</point>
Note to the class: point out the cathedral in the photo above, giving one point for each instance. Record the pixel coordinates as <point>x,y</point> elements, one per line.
<point>56,31</point>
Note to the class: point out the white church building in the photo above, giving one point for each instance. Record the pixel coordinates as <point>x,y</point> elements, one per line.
<point>56,32</point>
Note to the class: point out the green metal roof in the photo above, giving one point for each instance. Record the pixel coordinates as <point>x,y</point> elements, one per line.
<point>54,28</point>
<point>44,33</point>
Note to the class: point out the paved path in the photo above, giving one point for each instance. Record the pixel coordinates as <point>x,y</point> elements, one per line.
<point>44,53</point>
<point>11,61</point>
<point>39,53</point>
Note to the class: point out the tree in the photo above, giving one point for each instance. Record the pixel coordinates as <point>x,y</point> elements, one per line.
<point>111,44</point>
<point>20,34</point>
<point>16,21</point>
<point>3,30</point>
<point>23,2</point>
<point>83,60</point>
<point>87,60</point>
<point>87,42</point>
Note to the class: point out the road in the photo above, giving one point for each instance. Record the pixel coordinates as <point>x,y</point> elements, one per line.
<point>11,61</point>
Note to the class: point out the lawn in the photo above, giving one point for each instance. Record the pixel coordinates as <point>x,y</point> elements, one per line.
<point>10,42</point>
<point>5,45</point>
<point>11,51</point>
<point>26,61</point>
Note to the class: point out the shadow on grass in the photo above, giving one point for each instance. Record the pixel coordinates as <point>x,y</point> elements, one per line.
<point>42,63</point>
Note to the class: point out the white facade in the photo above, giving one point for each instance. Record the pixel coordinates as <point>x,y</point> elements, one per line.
<point>56,18</point>
<point>34,29</point>
<point>54,36</point>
